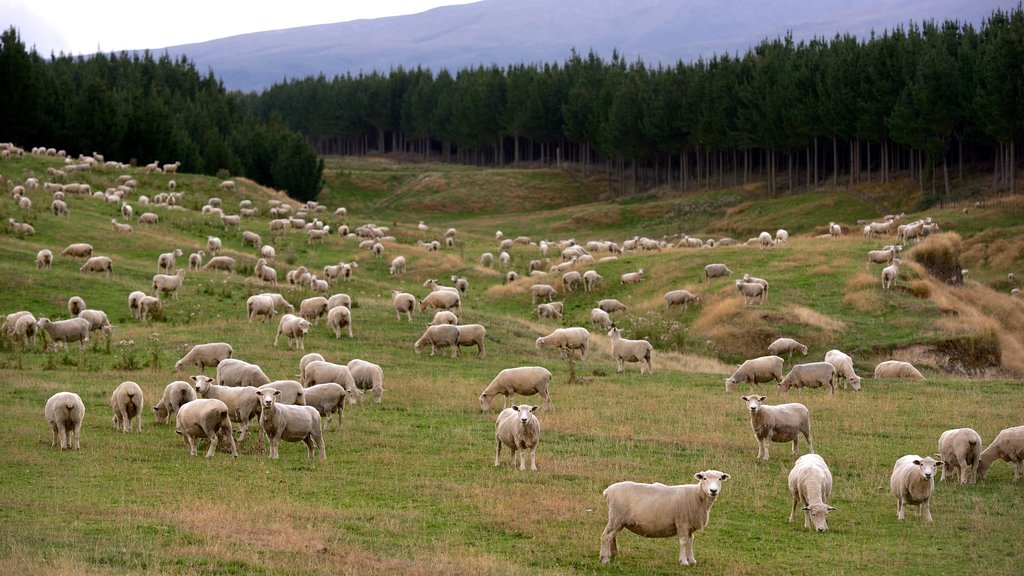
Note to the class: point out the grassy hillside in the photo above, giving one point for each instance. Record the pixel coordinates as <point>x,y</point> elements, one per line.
<point>409,486</point>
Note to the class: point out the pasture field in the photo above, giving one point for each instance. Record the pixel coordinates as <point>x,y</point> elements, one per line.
<point>409,486</point>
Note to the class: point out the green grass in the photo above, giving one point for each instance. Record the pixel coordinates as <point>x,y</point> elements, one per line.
<point>409,486</point>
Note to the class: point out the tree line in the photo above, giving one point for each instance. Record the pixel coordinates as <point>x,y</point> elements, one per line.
<point>135,106</point>
<point>925,100</point>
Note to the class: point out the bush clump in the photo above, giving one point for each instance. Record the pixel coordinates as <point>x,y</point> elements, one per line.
<point>940,256</point>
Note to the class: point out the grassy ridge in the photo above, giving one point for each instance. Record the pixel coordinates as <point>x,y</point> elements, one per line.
<point>409,485</point>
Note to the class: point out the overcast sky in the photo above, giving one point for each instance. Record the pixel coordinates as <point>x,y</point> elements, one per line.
<point>87,26</point>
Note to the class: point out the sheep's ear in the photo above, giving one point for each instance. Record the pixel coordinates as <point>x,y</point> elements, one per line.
<point>831,508</point>
<point>698,476</point>
<point>917,462</point>
<point>516,408</point>
<point>277,392</point>
<point>939,463</point>
<point>259,392</point>
<point>744,398</point>
<point>193,378</point>
<point>534,409</point>
<point>762,398</point>
<point>807,507</point>
<point>725,477</point>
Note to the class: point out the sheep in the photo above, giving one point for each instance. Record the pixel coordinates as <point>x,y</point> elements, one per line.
<point>660,511</point>
<point>290,423</point>
<point>326,398</point>
<point>897,369</point>
<point>24,329</point>
<point>134,302</point>
<point>632,277</point>
<point>234,372</point>
<point>755,371</point>
<point>149,218</point>
<point>487,260</point>
<point>844,368</point>
<point>397,266</point>
<point>242,401</point>
<point>786,346</point>
<point>779,423</point>
<point>261,305</point>
<point>75,305</point>
<point>205,418</point>
<point>752,292</point>
<point>884,256</point>
<point>77,250</point>
<point>811,375</point>
<point>265,273</point>
<point>444,317</point>
<point>912,482</point>
<point>127,403</point>
<point>339,317</point>
<point>442,336</point>
<point>171,168</point>
<point>591,279</point>
<point>314,308</point>
<point>601,319</point>
<point>472,335</point>
<point>163,283</point>
<point>403,302</point>
<point>548,310</point>
<point>64,412</point>
<point>677,297</point>
<point>524,380</point>
<point>834,230</point>
<point>225,263</point>
<point>176,394</point>
<point>781,236</point>
<point>195,260</point>
<point>367,376</point>
<point>610,305</point>
<point>292,392</point>
<point>97,320</point>
<point>267,251</point>
<point>545,291</point>
<point>148,305</point>
<point>960,449</point>
<point>810,482</point>
<point>567,340</point>
<point>167,260</point>
<point>519,429</point>
<point>225,185</point>
<point>320,372</point>
<point>251,239</point>
<point>716,271</point>
<point>20,228</point>
<point>511,277</point>
<point>126,210</point>
<point>98,264</point>
<point>571,281</point>
<point>1008,446</point>
<point>25,203</point>
<point>213,244</point>
<point>294,328</point>
<point>66,331</point>
<point>441,300</point>
<point>203,355</point>
<point>624,350</point>
<point>59,208</point>
<point>890,274</point>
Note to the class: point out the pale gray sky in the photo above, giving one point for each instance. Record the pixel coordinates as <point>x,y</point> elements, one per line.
<point>87,26</point>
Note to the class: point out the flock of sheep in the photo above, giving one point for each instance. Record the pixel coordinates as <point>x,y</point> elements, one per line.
<point>294,411</point>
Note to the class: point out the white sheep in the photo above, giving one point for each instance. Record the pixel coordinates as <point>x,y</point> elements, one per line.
<point>487,259</point>
<point>591,279</point>
<point>294,328</point>
<point>205,418</point>
<point>781,236</point>
<point>549,310</point>
<point>716,271</point>
<point>810,482</point>
<point>176,394</point>
<point>752,292</point>
<point>442,336</point>
<point>444,317</point>
<point>265,273</point>
<point>890,274</point>
<point>786,346</point>
<point>472,335</point>
<point>97,320</point>
<point>844,368</point>
<point>461,284</point>
<point>660,511</point>
<point>403,302</point>
<point>397,265</point>
<point>1008,446</point>
<point>524,380</point>
<point>163,283</point>
<point>127,403</point>
<point>883,256</point>
<point>167,260</point>
<point>77,250</point>
<point>203,355</point>
<point>65,412</point>
<point>680,297</point>
<point>327,398</point>
<point>267,251</point>
<point>632,277</point>
<point>567,340</point>
<point>511,277</point>
<point>98,264</point>
<point>834,230</point>
<point>756,371</point>
<point>912,482</point>
<point>291,391</point>
<point>134,302</point>
<point>321,371</point>
<point>610,305</point>
<point>75,305</point>
<point>59,208</point>
<point>24,329</point>
<point>779,423</point>
<point>811,375</point>
<point>66,331</point>
<point>149,218</point>
<point>442,300</point>
<point>339,317</point>
<point>20,228</point>
<point>235,372</point>
<point>250,238</point>
<point>225,263</point>
<point>242,401</point>
<point>897,369</point>
<point>624,350</point>
<point>960,449</point>
<point>544,291</point>
<point>213,244</point>
<point>601,319</point>
<point>570,281</point>
<point>519,429</point>
<point>367,376</point>
<point>314,308</point>
<point>149,305</point>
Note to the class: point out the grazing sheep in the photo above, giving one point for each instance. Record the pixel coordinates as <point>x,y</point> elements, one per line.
<point>1008,446</point>
<point>225,263</point>
<point>175,395</point>
<point>524,380</point>
<point>610,305</point>
<point>549,310</point>
<point>397,265</point>
<point>960,449</point>
<point>660,511</point>
<point>20,228</point>
<point>148,305</point>
<point>127,402</point>
<point>167,260</point>
<point>519,429</point>
<point>632,277</point>
<point>24,329</point>
<point>891,273</point>
<point>461,284</point>
<point>213,244</point>
<point>149,218</point>
<point>897,369</point>
<point>748,279</point>
<point>403,302</point>
<point>786,346</point>
<point>163,283</point>
<point>205,418</point>
<point>752,291</point>
<point>883,256</point>
<point>294,328</point>
<point>912,482</point>
<point>267,251</point>
<point>203,355</point>
<point>195,260</point>
<point>118,227</point>
<point>265,273</point>
<point>441,300</point>
<point>59,208</point>
<point>601,319</point>
<point>442,336</point>
<point>755,371</point>
<point>234,372</point>
<point>487,260</point>
<point>339,317</point>
<point>677,297</point>
<point>591,279</point>
<point>77,250</point>
<point>716,271</point>
<point>250,238</point>
<point>225,185</point>
<point>64,413</point>
<point>75,306</point>
<point>567,340</point>
<point>511,277</point>
<point>134,303</point>
<point>764,239</point>
<point>780,423</point>
<point>844,368</point>
<point>314,308</point>
<point>368,376</point>
<point>326,398</point>
<point>545,291</point>
<point>472,335</point>
<point>811,375</point>
<point>444,317</point>
<point>98,264</point>
<point>320,372</point>
<point>570,281</point>
<point>66,331</point>
<point>810,482</point>
<point>242,402</point>
<point>624,350</point>
<point>97,320</point>
<point>781,236</point>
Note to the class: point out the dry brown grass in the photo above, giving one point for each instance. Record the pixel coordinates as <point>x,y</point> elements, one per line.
<point>718,315</point>
<point>939,254</point>
<point>864,293</point>
<point>809,317</point>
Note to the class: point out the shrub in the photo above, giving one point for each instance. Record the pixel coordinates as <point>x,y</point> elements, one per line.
<point>940,256</point>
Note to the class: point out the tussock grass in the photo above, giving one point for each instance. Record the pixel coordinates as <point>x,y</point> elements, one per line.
<point>939,254</point>
<point>863,293</point>
<point>809,317</point>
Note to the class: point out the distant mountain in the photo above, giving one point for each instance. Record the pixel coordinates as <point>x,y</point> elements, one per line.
<point>513,31</point>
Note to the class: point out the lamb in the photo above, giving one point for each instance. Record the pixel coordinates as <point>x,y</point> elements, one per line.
<point>441,300</point>
<point>755,371</point>
<point>601,319</point>
<point>127,402</point>
<point>811,375</point>
<point>326,398</point>
<point>1008,446</point>
<point>844,368</point>
<point>75,305</point>
<point>203,355</point>
<point>320,372</point>
<point>677,297</point>
<point>24,329</point>
<point>810,482</point>
<point>960,449</point>
<point>234,372</point>
<point>442,336</point>
<point>20,228</point>
<point>444,317</point>
<point>786,346</point>
<point>524,380</point>
<point>897,369</point>
<point>780,423</point>
<point>660,511</point>
<point>891,273</point>
<point>912,482</point>
<point>632,277</point>
<point>294,328</point>
<point>176,394</point>
<point>64,413</point>
<point>472,335</point>
<point>313,308</point>
<point>567,340</point>
<point>77,250</point>
<point>339,317</point>
<point>519,429</point>
<point>403,302</point>
<point>148,305</point>
<point>195,260</point>
<point>590,280</point>
<point>67,331</point>
<point>397,266</point>
<point>98,264</point>
<point>167,260</point>
<point>251,239</point>
<point>242,402</point>
<point>570,281</point>
<point>213,244</point>
<point>610,305</point>
<point>291,391</point>
<point>149,218</point>
<point>163,283</point>
<point>205,418</point>
<point>624,350</point>
<point>545,291</point>
<point>715,271</point>
<point>752,292</point>
<point>368,376</point>
<point>549,310</point>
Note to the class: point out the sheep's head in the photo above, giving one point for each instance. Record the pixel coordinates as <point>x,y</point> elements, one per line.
<point>202,383</point>
<point>855,382</point>
<point>485,400</point>
<point>540,343</point>
<point>754,402</point>
<point>819,514</point>
<point>614,333</point>
<point>711,482</point>
<point>525,412</point>
<point>928,466</point>
<point>267,397</point>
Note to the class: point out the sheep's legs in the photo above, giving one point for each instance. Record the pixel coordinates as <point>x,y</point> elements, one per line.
<point>214,441</point>
<point>609,547</point>
<point>686,550</point>
<point>792,514</point>
<point>53,436</point>
<point>497,453</point>
<point>899,509</point>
